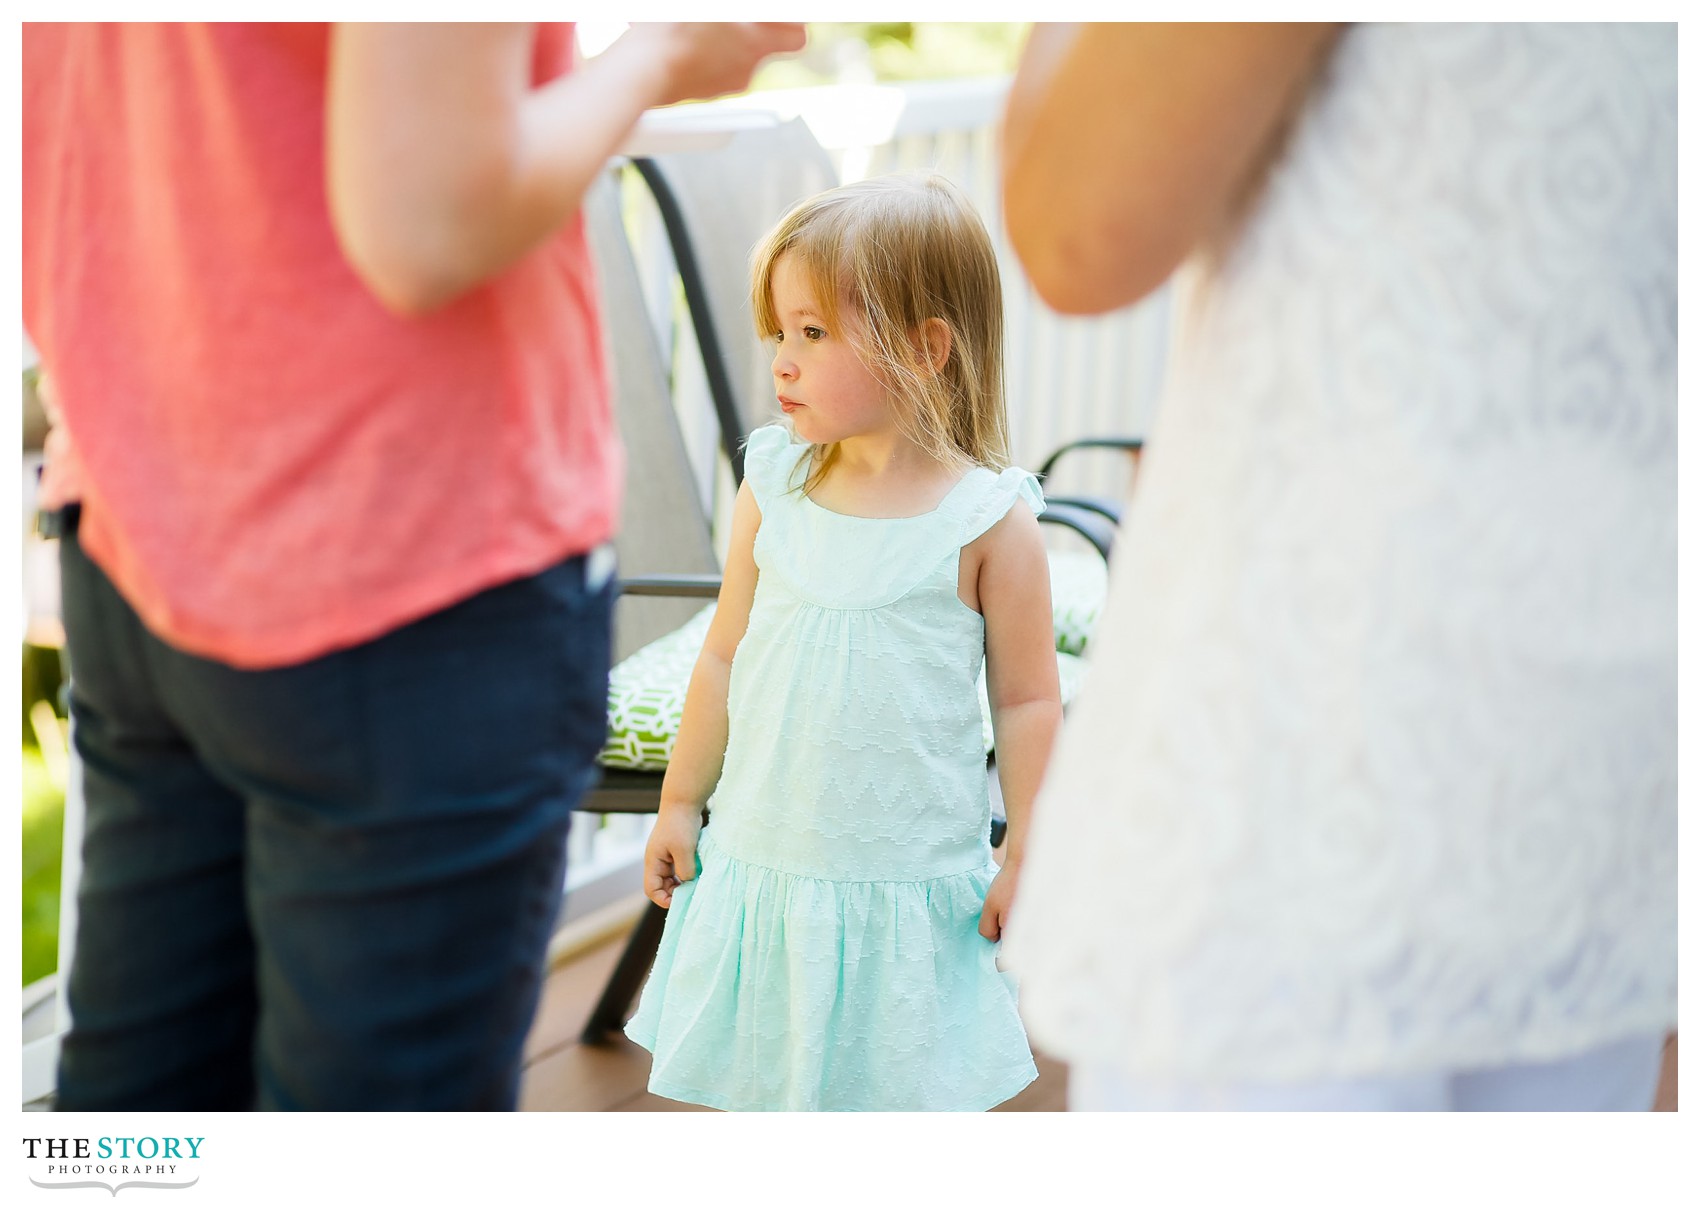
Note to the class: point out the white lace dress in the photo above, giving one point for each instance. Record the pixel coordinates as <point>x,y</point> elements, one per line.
<point>1374,770</point>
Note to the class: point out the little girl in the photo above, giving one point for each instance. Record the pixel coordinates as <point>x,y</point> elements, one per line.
<point>831,933</point>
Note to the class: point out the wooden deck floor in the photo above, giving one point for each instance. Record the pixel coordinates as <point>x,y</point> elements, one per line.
<point>563,1075</point>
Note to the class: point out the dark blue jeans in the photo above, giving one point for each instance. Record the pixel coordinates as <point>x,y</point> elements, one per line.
<point>328,885</point>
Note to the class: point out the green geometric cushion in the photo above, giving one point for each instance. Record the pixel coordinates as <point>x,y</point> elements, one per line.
<point>1078,582</point>
<point>646,697</point>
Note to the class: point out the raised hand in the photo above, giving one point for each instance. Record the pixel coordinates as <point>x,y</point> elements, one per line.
<point>709,58</point>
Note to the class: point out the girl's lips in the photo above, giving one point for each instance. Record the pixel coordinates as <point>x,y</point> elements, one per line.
<point>789,405</point>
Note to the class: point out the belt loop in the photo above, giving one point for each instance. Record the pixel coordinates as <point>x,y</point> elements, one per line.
<point>56,524</point>
<point>599,566</point>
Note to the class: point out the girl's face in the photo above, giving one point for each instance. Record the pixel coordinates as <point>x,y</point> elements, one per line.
<point>823,385</point>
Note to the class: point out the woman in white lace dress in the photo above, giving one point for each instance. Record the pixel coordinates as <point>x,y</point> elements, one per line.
<point>1376,767</point>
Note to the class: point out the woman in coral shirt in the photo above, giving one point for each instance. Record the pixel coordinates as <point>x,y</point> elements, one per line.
<point>319,313</point>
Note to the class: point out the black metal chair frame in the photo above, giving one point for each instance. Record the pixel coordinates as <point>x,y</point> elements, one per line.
<point>1103,506</point>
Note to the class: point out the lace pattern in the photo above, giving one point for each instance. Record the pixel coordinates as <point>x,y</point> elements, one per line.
<point>1379,734</point>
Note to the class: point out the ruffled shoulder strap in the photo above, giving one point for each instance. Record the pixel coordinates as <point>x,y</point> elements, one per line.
<point>985,497</point>
<point>774,464</point>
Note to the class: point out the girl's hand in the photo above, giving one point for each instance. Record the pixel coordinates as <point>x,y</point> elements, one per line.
<point>995,915</point>
<point>670,858</point>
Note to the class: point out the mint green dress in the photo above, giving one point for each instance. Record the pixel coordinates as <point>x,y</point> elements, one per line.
<point>827,956</point>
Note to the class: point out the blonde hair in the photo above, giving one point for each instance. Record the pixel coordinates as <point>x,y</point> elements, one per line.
<point>899,251</point>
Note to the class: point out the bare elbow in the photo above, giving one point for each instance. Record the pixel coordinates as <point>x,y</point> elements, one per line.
<point>1078,286</point>
<point>406,277</point>
<point>416,249</point>
<point>1079,276</point>
<point>406,298</point>
<point>1082,264</point>
<point>410,300</point>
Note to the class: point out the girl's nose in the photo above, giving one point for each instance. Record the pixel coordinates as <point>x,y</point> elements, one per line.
<point>783,367</point>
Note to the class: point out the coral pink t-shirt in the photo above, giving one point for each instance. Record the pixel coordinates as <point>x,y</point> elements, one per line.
<point>274,466</point>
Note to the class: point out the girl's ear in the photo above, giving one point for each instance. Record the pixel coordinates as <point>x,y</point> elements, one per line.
<point>935,337</point>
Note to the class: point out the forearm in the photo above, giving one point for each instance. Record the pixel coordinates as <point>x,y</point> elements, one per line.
<point>431,207</point>
<point>1124,145</point>
<point>570,128</point>
<point>1042,59</point>
<point>1059,211</point>
<point>567,131</point>
<point>699,751</point>
<point>1024,733</point>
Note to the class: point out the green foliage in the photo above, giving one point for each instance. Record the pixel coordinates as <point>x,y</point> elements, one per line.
<point>874,51</point>
<point>44,836</point>
<point>43,672</point>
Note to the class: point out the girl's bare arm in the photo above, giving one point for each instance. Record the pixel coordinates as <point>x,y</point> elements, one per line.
<point>1021,683</point>
<point>699,751</point>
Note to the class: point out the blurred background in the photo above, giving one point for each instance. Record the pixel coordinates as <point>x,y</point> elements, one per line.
<point>865,52</point>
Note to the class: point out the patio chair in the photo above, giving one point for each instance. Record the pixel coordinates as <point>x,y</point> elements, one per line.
<point>1078,582</point>
<point>667,561</point>
<point>715,210</point>
<point>1109,508</point>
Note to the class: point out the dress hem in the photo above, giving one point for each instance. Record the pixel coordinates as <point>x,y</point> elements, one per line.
<point>1018,1083</point>
<point>1300,1064</point>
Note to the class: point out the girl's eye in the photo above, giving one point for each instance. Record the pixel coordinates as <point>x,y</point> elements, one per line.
<point>813,333</point>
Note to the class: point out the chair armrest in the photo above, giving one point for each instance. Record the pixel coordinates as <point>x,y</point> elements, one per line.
<point>1093,527</point>
<point>1098,505</point>
<point>1131,445</point>
<point>675,585</point>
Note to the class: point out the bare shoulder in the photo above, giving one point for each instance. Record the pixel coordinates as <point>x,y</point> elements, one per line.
<point>746,517</point>
<point>746,502</point>
<point>1013,537</point>
<point>1006,559</point>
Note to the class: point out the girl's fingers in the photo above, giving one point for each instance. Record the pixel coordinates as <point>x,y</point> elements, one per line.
<point>657,879</point>
<point>665,869</point>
